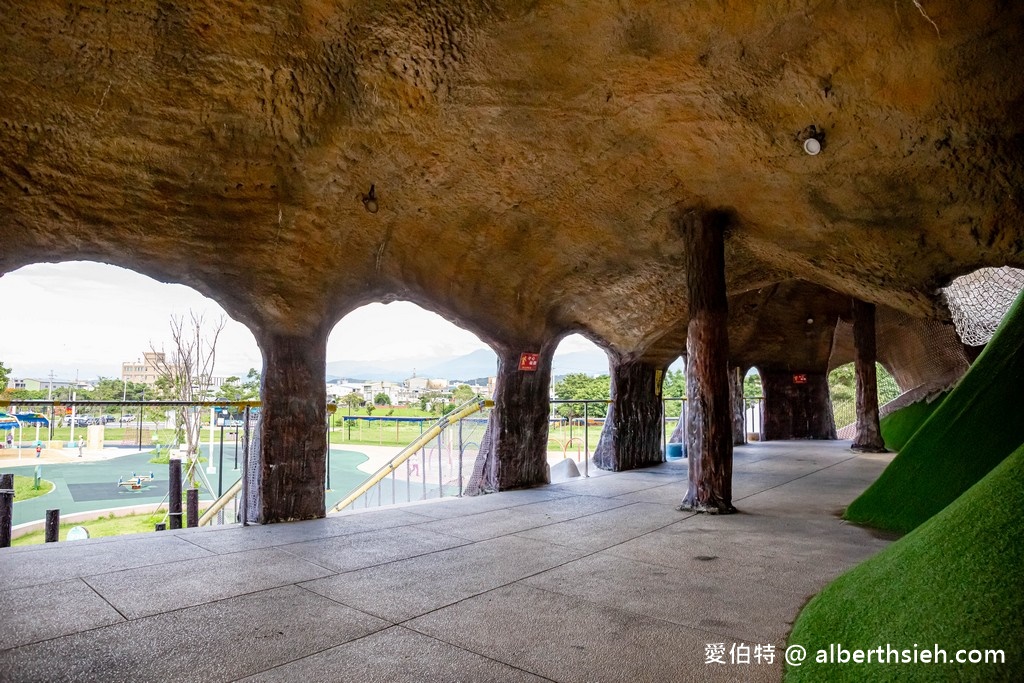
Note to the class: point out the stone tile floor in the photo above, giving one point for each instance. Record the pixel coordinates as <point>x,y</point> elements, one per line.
<point>597,579</point>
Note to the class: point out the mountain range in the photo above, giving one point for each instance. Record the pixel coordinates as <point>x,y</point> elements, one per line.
<point>479,363</point>
<point>474,365</point>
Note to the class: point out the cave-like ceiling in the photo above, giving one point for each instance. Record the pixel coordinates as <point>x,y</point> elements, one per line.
<point>527,157</point>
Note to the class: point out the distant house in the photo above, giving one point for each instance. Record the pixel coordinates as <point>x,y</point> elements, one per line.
<point>33,384</point>
<point>339,388</point>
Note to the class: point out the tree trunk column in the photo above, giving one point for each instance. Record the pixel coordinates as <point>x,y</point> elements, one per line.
<point>797,405</point>
<point>739,422</point>
<point>631,436</point>
<point>869,432</point>
<point>709,415</point>
<point>293,428</point>
<point>514,450</point>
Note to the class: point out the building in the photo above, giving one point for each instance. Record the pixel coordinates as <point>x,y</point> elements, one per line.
<point>33,384</point>
<point>144,371</point>
<point>341,388</point>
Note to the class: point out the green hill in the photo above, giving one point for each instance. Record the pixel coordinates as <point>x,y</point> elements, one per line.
<point>957,581</point>
<point>900,425</point>
<point>967,435</point>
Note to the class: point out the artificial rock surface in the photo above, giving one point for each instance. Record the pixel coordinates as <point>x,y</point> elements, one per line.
<point>527,156</point>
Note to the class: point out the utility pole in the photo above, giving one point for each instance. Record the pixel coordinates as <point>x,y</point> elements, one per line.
<point>49,398</point>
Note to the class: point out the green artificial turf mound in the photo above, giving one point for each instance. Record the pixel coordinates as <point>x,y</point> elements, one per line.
<point>956,581</point>
<point>971,432</point>
<point>900,425</point>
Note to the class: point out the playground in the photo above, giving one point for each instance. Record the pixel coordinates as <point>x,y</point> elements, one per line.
<point>117,479</point>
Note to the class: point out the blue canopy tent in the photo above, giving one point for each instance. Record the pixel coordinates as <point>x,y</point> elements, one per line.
<point>18,420</point>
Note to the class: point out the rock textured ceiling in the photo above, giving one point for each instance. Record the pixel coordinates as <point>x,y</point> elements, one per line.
<point>527,157</point>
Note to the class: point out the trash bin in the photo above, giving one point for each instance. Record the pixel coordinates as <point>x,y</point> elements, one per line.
<point>676,451</point>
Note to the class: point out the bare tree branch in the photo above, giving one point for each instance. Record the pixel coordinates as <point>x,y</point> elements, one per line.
<point>187,375</point>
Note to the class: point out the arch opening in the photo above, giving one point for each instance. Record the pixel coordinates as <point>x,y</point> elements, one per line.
<point>392,370</point>
<point>104,340</point>
<point>843,394</point>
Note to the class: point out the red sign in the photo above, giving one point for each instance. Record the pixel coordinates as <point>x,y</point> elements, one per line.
<point>799,379</point>
<point>528,362</point>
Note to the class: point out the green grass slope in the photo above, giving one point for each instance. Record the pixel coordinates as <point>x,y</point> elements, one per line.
<point>971,432</point>
<point>957,581</point>
<point>900,425</point>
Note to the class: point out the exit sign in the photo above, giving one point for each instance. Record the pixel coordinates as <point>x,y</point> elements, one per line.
<point>528,362</point>
<point>799,379</point>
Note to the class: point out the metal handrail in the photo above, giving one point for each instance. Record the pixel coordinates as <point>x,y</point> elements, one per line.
<point>221,503</point>
<point>463,411</point>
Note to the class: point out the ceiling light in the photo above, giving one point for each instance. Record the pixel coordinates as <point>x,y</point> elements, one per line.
<point>370,200</point>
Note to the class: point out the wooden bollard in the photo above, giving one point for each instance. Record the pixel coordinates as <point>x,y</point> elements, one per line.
<point>174,493</point>
<point>52,526</point>
<point>192,507</point>
<point>6,509</point>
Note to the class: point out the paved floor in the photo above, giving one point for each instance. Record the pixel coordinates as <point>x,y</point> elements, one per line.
<point>599,579</point>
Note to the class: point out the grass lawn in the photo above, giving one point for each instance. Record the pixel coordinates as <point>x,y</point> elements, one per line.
<point>24,488</point>
<point>955,581</point>
<point>966,436</point>
<point>164,458</point>
<point>899,426</point>
<point>104,526</point>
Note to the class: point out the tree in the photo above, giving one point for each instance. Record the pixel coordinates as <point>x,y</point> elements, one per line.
<point>752,386</point>
<point>463,393</point>
<point>581,386</point>
<point>369,409</point>
<point>233,389</point>
<point>4,374</point>
<point>674,386</point>
<point>382,399</point>
<point>186,375</point>
<point>842,383</point>
<point>352,400</point>
<point>430,401</point>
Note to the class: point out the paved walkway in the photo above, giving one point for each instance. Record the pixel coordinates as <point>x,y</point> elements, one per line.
<point>599,579</point>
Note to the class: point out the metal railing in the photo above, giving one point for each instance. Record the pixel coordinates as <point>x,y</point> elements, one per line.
<point>453,435</point>
<point>436,464</point>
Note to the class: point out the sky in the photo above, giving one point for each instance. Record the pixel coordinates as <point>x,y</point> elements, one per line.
<point>83,319</point>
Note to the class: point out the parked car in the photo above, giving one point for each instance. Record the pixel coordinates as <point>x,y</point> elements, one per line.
<point>128,418</point>
<point>79,420</point>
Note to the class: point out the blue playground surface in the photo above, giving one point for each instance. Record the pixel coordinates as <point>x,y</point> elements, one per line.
<point>93,484</point>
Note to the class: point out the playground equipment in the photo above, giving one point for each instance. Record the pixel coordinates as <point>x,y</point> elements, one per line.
<point>135,482</point>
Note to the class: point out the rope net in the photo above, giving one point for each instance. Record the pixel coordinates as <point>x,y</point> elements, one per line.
<point>979,300</point>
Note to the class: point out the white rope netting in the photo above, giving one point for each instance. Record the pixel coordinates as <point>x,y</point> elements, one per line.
<point>978,301</point>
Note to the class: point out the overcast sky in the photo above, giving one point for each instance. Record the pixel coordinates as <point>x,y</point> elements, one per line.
<point>88,318</point>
